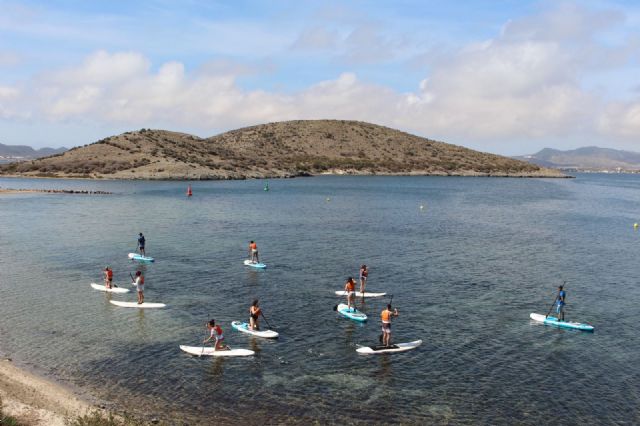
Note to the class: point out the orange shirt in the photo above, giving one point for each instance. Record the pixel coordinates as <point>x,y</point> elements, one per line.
<point>253,246</point>
<point>386,316</point>
<point>350,286</point>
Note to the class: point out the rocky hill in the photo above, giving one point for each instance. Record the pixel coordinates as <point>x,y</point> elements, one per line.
<point>586,158</point>
<point>283,149</point>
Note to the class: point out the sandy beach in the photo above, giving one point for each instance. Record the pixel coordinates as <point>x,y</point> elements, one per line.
<point>34,400</point>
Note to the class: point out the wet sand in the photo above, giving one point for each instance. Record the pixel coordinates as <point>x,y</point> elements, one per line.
<point>34,400</point>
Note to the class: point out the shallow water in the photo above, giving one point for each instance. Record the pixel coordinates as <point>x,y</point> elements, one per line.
<point>465,272</point>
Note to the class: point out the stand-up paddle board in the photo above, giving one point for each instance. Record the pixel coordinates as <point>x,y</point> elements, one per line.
<point>358,294</point>
<point>563,324</point>
<point>351,313</point>
<point>110,290</point>
<point>255,264</point>
<point>140,258</point>
<point>398,347</point>
<point>244,328</point>
<point>199,351</point>
<point>145,305</point>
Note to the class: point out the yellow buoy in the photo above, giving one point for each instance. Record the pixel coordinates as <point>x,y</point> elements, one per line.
<point>635,226</point>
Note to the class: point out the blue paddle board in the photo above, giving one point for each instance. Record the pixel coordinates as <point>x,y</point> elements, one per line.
<point>255,264</point>
<point>562,324</point>
<point>140,258</point>
<point>351,313</point>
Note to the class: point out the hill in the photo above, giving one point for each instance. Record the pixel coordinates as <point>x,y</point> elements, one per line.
<point>19,152</point>
<point>587,158</point>
<point>283,149</point>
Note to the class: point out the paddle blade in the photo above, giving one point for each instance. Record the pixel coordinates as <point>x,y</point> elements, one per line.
<point>335,308</point>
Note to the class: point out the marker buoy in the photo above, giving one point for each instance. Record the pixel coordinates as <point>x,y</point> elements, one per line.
<point>189,192</point>
<point>635,226</point>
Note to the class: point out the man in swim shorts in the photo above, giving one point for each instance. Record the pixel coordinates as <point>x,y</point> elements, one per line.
<point>386,324</point>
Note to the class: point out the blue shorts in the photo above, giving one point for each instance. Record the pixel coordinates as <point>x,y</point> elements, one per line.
<point>559,307</point>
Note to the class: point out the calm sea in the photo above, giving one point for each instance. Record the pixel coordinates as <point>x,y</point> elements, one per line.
<point>465,272</point>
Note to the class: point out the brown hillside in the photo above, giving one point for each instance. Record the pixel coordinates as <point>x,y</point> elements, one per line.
<point>284,149</point>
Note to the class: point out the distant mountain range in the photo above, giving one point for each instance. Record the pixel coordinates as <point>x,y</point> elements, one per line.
<point>589,158</point>
<point>22,152</point>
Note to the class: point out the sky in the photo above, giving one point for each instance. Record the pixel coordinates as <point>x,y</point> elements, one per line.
<point>504,76</point>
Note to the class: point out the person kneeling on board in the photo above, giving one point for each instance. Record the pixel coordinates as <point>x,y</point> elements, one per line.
<point>139,282</point>
<point>386,324</point>
<point>350,290</point>
<point>254,314</point>
<point>215,333</point>
<point>108,277</point>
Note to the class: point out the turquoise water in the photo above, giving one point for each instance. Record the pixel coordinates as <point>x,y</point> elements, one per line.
<point>465,273</point>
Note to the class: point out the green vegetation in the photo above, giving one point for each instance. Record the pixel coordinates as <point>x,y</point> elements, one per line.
<point>98,418</point>
<point>7,420</point>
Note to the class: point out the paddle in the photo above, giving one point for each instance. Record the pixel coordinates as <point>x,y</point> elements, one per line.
<point>265,320</point>
<point>132,279</point>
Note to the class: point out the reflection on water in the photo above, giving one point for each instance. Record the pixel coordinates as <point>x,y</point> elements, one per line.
<point>465,273</point>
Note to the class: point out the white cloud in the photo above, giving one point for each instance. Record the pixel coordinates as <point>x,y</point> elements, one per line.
<point>523,84</point>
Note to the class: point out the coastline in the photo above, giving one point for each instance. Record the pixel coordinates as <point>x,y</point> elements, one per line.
<point>335,172</point>
<point>35,400</point>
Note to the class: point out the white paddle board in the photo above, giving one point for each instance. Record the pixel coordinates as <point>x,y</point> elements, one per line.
<point>398,347</point>
<point>243,327</point>
<point>563,324</point>
<point>110,290</point>
<point>255,264</point>
<point>358,294</point>
<point>145,305</point>
<point>199,351</point>
<point>141,258</point>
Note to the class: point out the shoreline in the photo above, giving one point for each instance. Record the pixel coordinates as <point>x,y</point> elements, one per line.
<point>335,172</point>
<point>35,400</point>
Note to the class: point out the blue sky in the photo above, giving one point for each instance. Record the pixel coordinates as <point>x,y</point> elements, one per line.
<point>509,77</point>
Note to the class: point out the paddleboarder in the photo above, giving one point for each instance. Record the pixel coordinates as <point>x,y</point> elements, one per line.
<point>386,324</point>
<point>560,302</point>
<point>139,282</point>
<point>253,252</point>
<point>215,333</point>
<point>364,273</point>
<point>350,290</point>
<point>254,314</point>
<point>108,277</point>
<point>141,242</point>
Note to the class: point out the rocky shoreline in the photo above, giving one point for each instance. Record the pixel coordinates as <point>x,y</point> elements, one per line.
<point>53,191</point>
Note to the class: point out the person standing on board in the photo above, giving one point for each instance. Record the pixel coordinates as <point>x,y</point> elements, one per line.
<point>386,324</point>
<point>215,333</point>
<point>254,314</point>
<point>350,290</point>
<point>139,282</point>
<point>108,277</point>
<point>253,252</point>
<point>560,302</point>
<point>364,273</point>
<point>141,242</point>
